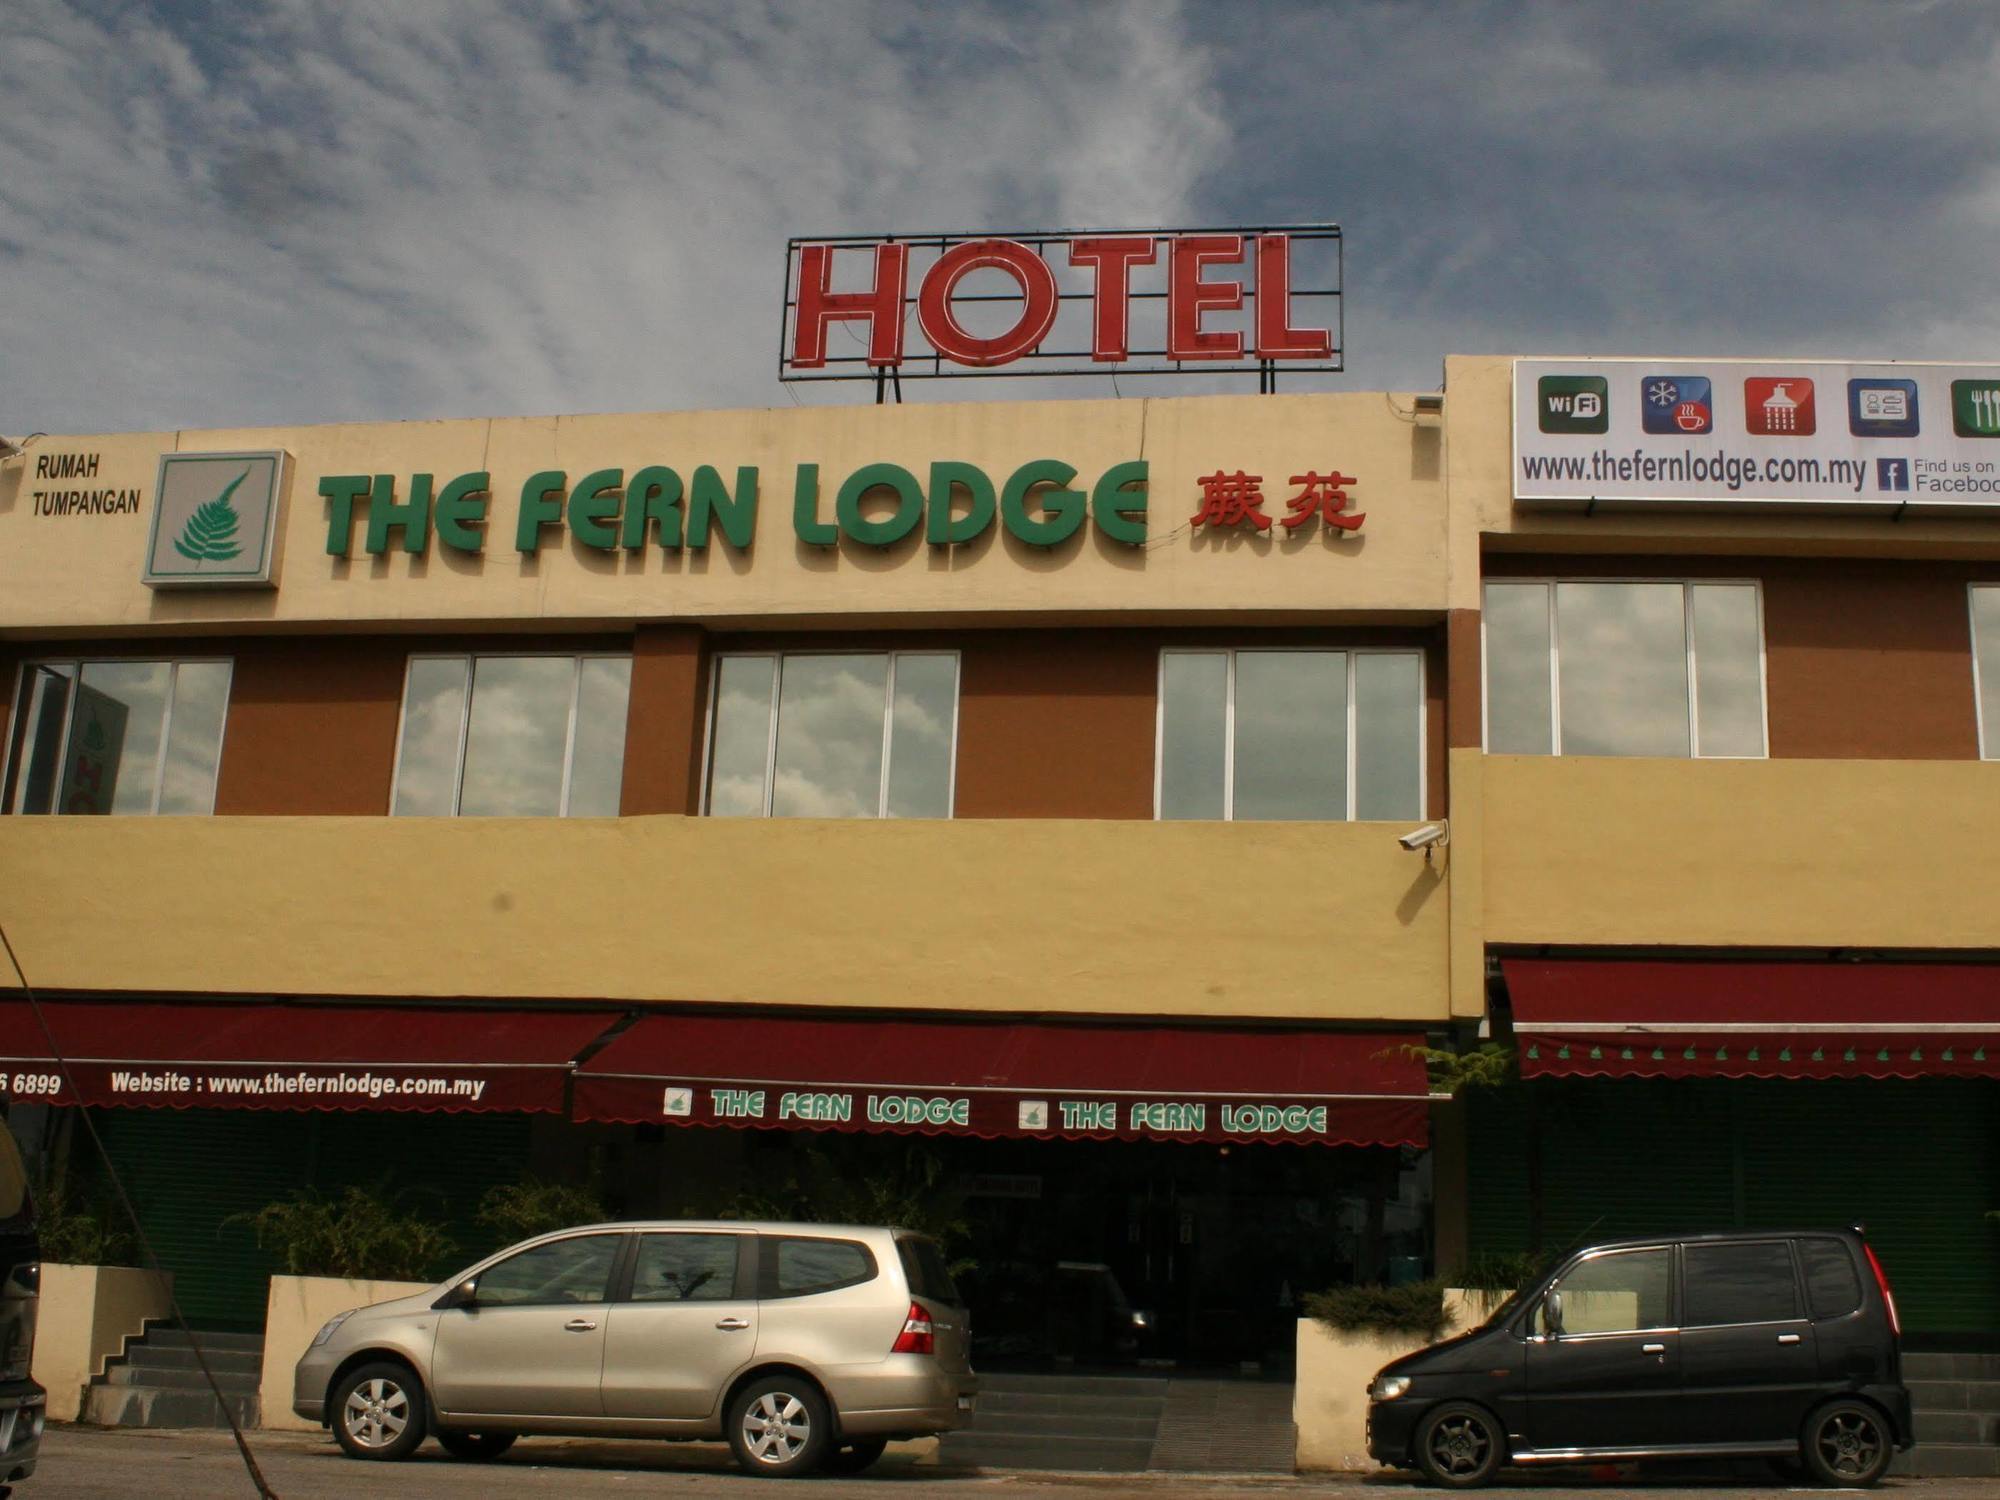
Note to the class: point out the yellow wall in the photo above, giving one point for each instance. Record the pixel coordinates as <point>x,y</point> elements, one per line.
<point>1741,853</point>
<point>82,572</point>
<point>1283,920</point>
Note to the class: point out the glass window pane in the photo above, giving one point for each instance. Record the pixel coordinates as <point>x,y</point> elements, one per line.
<point>685,1268</point>
<point>427,759</point>
<point>1740,1284</point>
<point>740,745</point>
<point>1624,668</point>
<point>1517,668</point>
<point>1986,651</point>
<point>1388,735</point>
<point>829,762</point>
<point>920,736</point>
<point>574,1270</point>
<point>37,729</point>
<point>597,766</point>
<point>1728,677</point>
<point>800,1268</point>
<point>194,737</point>
<point>112,762</point>
<point>515,736</point>
<point>1617,1293</point>
<point>1291,734</point>
<point>1193,687</point>
<point>1832,1282</point>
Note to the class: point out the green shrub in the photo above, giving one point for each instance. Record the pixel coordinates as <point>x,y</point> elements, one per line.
<point>77,1231</point>
<point>364,1233</point>
<point>1416,1308</point>
<point>521,1210</point>
<point>856,1180</point>
<point>1500,1273</point>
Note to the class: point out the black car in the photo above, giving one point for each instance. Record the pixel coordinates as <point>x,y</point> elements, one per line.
<point>1778,1345</point>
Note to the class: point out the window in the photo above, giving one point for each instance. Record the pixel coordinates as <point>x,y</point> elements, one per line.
<point>834,736</point>
<point>802,1267</point>
<point>1632,668</point>
<point>1740,1284</point>
<point>1986,665</point>
<point>685,1268</point>
<point>572,1270</point>
<point>512,736</point>
<point>928,1272</point>
<point>1622,1292</point>
<point>117,736</point>
<point>1833,1286</point>
<point>1291,734</point>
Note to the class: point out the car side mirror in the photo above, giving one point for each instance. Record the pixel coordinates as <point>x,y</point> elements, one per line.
<point>1552,1312</point>
<point>465,1294</point>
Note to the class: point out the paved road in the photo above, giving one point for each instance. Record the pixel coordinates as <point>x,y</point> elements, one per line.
<point>96,1464</point>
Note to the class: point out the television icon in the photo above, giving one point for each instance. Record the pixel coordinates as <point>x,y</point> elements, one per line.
<point>1882,408</point>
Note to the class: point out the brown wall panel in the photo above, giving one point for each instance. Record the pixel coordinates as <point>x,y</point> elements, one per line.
<point>664,722</point>
<point>1864,660</point>
<point>312,725</point>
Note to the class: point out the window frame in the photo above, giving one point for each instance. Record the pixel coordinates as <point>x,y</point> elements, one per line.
<point>616,1271</point>
<point>471,660</point>
<point>1230,653</point>
<point>777,656</point>
<point>1687,584</point>
<point>1989,744</point>
<point>1671,1249</point>
<point>9,768</point>
<point>768,1243</point>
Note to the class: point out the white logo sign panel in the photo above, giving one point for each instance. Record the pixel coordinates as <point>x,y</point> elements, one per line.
<point>1739,432</point>
<point>215,520</point>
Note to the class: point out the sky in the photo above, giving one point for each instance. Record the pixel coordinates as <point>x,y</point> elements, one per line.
<point>253,212</point>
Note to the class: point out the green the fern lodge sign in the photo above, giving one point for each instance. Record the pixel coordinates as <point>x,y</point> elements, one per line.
<point>215,520</point>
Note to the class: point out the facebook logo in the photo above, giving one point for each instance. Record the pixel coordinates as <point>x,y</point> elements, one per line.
<point>1892,473</point>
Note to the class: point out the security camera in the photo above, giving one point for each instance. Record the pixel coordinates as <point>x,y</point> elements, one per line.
<point>8,447</point>
<point>1426,836</point>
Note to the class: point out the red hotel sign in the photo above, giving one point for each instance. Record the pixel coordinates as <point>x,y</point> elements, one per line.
<point>1083,302</point>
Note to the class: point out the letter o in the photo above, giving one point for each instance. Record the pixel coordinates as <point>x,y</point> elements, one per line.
<point>1038,310</point>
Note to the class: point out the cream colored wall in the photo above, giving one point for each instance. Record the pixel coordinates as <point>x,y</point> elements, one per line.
<point>298,1308</point>
<point>86,1314</point>
<point>1294,920</point>
<point>82,572</point>
<point>1742,853</point>
<point>1479,417</point>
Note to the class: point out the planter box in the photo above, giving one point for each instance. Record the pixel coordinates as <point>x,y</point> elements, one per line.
<point>299,1307</point>
<point>85,1316</point>
<point>1330,1399</point>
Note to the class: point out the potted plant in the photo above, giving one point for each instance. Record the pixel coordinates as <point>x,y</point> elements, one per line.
<point>93,1296</point>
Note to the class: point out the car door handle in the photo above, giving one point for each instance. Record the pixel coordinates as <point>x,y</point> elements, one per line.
<point>1788,1338</point>
<point>733,1325</point>
<point>579,1325</point>
<point>1652,1348</point>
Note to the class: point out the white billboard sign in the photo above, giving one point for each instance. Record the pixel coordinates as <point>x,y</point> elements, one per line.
<point>1716,432</point>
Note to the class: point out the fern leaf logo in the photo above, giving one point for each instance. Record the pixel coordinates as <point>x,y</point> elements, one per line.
<point>210,533</point>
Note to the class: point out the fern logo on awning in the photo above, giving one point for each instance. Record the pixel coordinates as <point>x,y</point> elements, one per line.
<point>215,522</point>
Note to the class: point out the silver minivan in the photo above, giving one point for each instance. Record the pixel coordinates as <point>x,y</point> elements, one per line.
<point>807,1346</point>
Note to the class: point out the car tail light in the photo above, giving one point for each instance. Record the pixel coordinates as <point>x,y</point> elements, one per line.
<point>1882,1280</point>
<point>916,1337</point>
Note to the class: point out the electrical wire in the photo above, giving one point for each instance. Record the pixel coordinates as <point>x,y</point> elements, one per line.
<point>264,1490</point>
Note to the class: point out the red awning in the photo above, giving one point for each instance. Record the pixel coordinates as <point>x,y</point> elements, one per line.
<point>247,1055</point>
<point>992,1079</point>
<point>1667,1019</point>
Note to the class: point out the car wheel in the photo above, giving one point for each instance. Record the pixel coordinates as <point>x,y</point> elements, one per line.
<point>852,1458</point>
<point>778,1427</point>
<point>475,1447</point>
<point>1458,1445</point>
<point>1847,1443</point>
<point>378,1412</point>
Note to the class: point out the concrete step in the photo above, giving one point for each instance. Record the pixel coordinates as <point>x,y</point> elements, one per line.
<point>1949,1461</point>
<point>1958,1427</point>
<point>1074,1385</point>
<point>968,1449</point>
<point>1955,1395</point>
<point>153,1406</point>
<point>992,1424</point>
<point>181,1357</point>
<point>1079,1408</point>
<point>232,1382</point>
<point>1928,1366</point>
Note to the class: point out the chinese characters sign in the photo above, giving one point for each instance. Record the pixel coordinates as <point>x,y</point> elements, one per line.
<point>1235,499</point>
